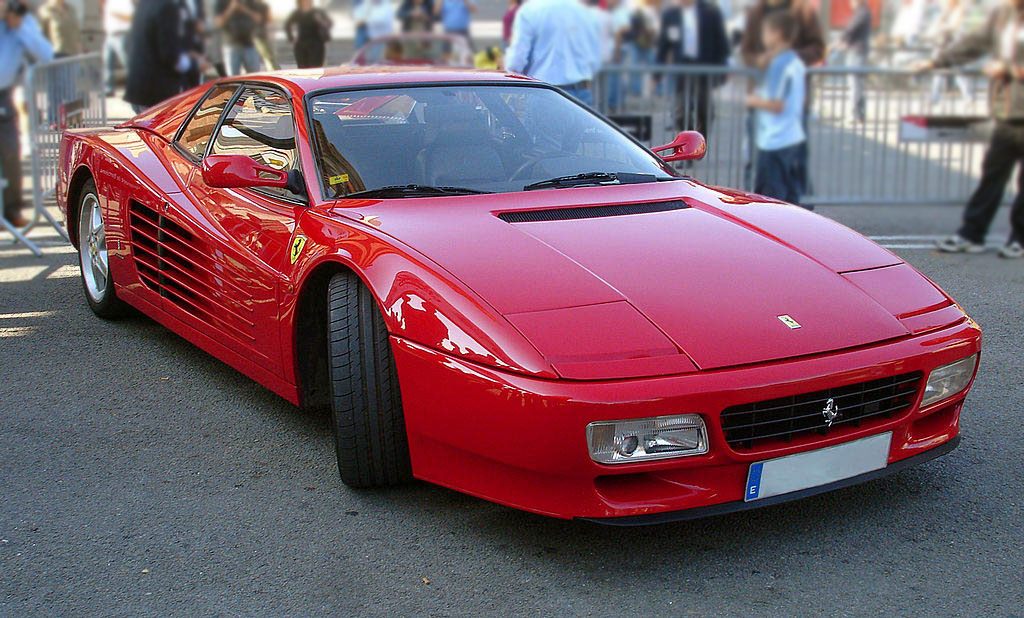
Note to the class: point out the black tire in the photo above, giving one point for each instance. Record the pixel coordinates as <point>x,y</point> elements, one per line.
<point>105,304</point>
<point>369,427</point>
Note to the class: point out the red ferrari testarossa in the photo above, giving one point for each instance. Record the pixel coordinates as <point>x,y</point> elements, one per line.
<point>495,290</point>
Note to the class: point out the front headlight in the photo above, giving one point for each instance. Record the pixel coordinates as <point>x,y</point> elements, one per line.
<point>948,380</point>
<point>647,439</point>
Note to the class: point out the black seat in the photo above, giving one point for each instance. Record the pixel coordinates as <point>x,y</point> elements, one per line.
<point>461,152</point>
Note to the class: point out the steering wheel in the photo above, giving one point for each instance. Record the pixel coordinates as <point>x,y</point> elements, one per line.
<point>532,159</point>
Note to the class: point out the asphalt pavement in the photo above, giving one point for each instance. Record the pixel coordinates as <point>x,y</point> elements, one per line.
<point>143,477</point>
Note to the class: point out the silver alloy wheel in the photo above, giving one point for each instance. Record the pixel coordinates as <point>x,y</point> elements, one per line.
<point>92,245</point>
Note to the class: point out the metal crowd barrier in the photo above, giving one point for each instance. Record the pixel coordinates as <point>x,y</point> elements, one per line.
<point>64,94</point>
<point>859,153</point>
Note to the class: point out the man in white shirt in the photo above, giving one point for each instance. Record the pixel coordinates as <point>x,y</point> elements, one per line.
<point>558,42</point>
<point>117,21</point>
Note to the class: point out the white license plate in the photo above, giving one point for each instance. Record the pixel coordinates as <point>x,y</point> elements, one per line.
<point>813,468</point>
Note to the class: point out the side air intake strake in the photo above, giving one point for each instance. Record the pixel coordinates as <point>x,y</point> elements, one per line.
<point>589,212</point>
<point>173,263</point>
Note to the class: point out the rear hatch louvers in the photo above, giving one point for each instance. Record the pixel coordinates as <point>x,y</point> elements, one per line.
<point>174,264</point>
<point>589,212</point>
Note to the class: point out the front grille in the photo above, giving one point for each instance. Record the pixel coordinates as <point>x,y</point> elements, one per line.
<point>753,424</point>
<point>589,212</point>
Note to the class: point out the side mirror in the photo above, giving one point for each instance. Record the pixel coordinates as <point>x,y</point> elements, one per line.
<point>240,172</point>
<point>687,146</point>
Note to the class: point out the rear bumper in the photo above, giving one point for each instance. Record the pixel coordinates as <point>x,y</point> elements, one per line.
<point>521,441</point>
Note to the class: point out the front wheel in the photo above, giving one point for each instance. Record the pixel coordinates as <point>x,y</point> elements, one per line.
<point>369,426</point>
<point>93,257</point>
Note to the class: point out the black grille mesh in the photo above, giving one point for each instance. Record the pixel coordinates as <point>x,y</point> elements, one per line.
<point>750,425</point>
<point>589,212</point>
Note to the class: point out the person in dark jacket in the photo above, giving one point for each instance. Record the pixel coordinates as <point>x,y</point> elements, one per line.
<point>308,29</point>
<point>160,54</point>
<point>416,15</point>
<point>856,42</point>
<point>693,32</point>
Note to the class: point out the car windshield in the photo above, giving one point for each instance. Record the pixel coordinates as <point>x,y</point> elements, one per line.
<point>469,139</point>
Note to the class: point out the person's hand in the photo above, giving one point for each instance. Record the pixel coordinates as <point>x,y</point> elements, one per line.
<point>922,66</point>
<point>752,101</point>
<point>996,69</point>
<point>202,63</point>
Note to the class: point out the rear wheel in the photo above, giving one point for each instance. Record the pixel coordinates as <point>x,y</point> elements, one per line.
<point>369,427</point>
<point>93,257</point>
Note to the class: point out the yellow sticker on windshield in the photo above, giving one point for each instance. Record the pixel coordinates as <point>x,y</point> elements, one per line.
<point>337,180</point>
<point>297,246</point>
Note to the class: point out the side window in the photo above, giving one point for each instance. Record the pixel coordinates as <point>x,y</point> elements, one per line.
<point>197,133</point>
<point>259,125</point>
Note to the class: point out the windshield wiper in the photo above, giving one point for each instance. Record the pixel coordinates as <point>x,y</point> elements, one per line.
<point>591,178</point>
<point>413,191</point>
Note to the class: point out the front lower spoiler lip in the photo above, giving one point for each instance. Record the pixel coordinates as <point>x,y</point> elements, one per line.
<point>739,505</point>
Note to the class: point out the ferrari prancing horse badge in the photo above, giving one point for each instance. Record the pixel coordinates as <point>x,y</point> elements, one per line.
<point>297,245</point>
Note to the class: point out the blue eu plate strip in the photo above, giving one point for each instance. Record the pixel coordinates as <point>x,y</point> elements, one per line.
<point>754,481</point>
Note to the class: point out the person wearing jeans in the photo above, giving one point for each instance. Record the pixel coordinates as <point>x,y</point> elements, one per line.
<point>240,20</point>
<point>117,21</point>
<point>855,41</point>
<point>1001,38</point>
<point>20,38</point>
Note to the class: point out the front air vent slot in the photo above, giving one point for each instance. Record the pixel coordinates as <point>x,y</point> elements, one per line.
<point>589,212</point>
<point>172,262</point>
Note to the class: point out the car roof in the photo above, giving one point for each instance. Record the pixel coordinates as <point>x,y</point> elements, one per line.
<point>308,80</point>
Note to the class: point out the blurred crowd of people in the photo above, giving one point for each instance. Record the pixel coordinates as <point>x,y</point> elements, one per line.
<point>167,46</point>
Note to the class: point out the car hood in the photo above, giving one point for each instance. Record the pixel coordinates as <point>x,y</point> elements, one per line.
<point>715,280</point>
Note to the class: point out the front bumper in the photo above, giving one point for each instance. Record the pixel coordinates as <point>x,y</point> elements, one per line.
<point>521,441</point>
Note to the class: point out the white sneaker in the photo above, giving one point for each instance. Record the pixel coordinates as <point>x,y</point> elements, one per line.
<point>1012,251</point>
<point>959,244</point>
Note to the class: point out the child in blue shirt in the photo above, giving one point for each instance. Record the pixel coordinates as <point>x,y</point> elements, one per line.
<point>779,107</point>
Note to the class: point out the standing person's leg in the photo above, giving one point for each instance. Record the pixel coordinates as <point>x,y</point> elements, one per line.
<point>771,174</point>
<point>681,103</point>
<point>996,168</point>
<point>265,49</point>
<point>122,51</point>
<point>362,35</point>
<point>109,64</point>
<point>793,192</point>
<point>705,113</point>
<point>319,58</point>
<point>581,94</point>
<point>1015,245</point>
<point>633,56</point>
<point>856,85</point>
<point>251,59</point>
<point>306,55</point>
<point>964,86</point>
<point>938,85</point>
<point>234,54</point>
<point>10,161</point>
